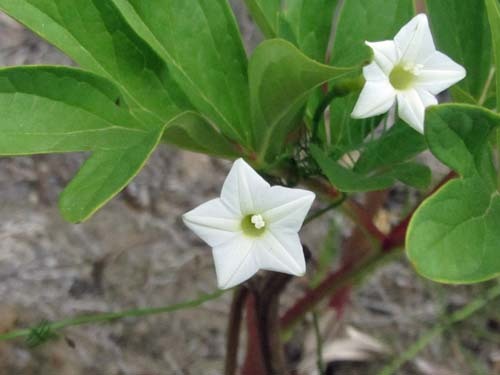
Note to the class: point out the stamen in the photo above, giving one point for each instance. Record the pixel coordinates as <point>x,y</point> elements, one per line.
<point>253,225</point>
<point>258,221</point>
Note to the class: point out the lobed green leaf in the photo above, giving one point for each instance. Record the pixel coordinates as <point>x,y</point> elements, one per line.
<point>453,236</point>
<point>47,109</point>
<point>56,109</point>
<point>200,42</point>
<point>96,36</point>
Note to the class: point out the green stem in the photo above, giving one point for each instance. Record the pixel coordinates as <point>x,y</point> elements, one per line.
<point>323,211</point>
<point>108,317</point>
<point>484,94</point>
<point>339,89</point>
<point>319,344</point>
<point>454,318</point>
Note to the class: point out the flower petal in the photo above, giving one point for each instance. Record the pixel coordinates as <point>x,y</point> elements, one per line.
<point>373,72</point>
<point>213,222</point>
<point>235,261</point>
<point>427,98</point>
<point>281,251</point>
<point>385,55</point>
<point>411,107</point>
<point>283,207</point>
<point>376,98</point>
<point>414,41</point>
<point>439,73</point>
<point>241,188</point>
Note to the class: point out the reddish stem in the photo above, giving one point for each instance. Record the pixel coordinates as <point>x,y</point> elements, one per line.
<point>355,210</point>
<point>265,351</point>
<point>342,278</point>
<point>234,329</point>
<point>303,305</point>
<point>362,217</point>
<point>254,360</point>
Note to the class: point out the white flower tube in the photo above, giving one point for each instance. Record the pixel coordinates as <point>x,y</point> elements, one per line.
<point>408,70</point>
<point>252,226</point>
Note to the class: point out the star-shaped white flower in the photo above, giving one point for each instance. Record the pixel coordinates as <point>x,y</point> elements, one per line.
<point>252,226</point>
<point>407,69</point>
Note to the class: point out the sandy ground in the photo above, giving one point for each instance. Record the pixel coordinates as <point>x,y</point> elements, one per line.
<point>136,253</point>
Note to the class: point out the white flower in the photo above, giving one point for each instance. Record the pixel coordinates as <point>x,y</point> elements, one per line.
<point>407,69</point>
<point>252,226</point>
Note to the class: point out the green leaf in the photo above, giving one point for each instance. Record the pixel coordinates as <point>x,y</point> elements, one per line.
<point>346,134</point>
<point>192,134</point>
<point>200,42</point>
<point>108,171</point>
<point>266,15</point>
<point>307,24</point>
<point>347,180</point>
<point>493,10</point>
<point>412,174</point>
<point>453,236</point>
<point>96,36</point>
<point>460,30</point>
<point>56,109</point>
<point>459,137</point>
<point>105,174</point>
<point>362,20</point>
<point>150,86</point>
<point>281,79</point>
<point>398,144</point>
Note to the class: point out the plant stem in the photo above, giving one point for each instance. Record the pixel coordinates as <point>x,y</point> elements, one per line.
<point>323,211</point>
<point>234,329</point>
<point>254,360</point>
<point>486,87</point>
<point>346,275</point>
<point>426,338</point>
<point>361,217</point>
<point>339,89</point>
<point>319,344</point>
<point>352,208</point>
<point>265,353</point>
<point>353,271</point>
<point>108,317</point>
<point>269,322</point>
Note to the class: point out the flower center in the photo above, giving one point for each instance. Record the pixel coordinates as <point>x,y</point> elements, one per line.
<point>253,225</point>
<point>402,77</point>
